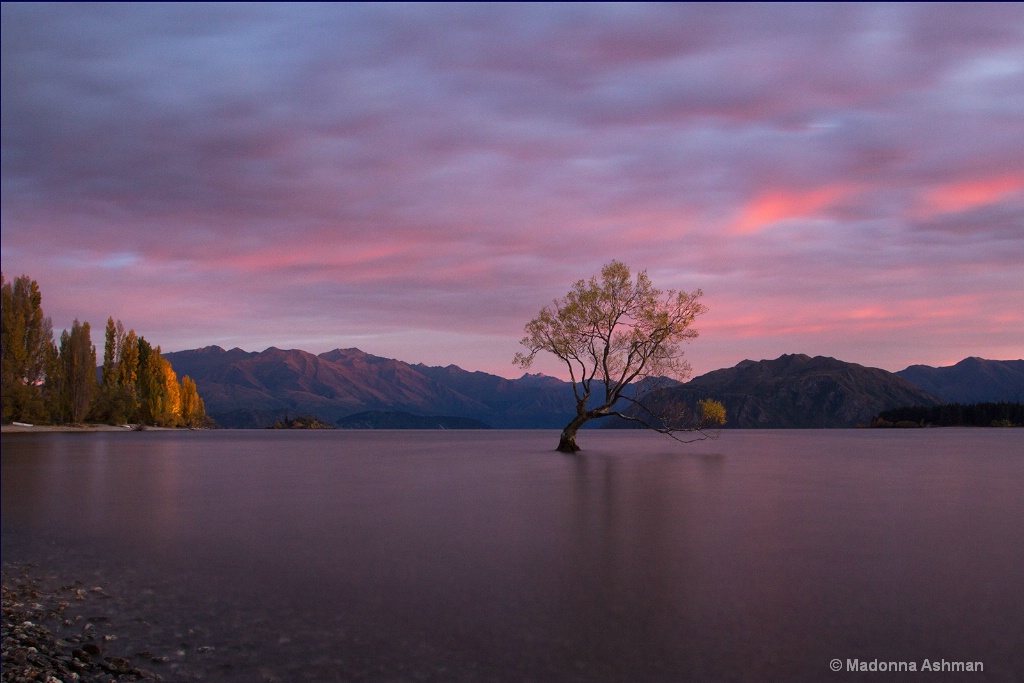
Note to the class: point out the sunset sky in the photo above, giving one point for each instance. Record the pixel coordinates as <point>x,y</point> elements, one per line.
<point>419,180</point>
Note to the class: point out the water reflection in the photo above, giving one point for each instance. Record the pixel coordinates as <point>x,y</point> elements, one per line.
<point>487,555</point>
<point>92,487</point>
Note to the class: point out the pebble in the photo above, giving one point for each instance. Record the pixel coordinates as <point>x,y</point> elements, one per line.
<point>31,652</point>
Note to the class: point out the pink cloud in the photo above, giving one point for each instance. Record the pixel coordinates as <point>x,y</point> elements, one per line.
<point>772,206</point>
<point>962,195</point>
<point>839,179</point>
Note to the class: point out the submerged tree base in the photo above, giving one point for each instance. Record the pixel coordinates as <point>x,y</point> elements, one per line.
<point>567,444</point>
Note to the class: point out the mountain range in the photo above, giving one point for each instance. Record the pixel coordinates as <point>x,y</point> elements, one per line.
<point>972,380</point>
<point>254,389</point>
<point>797,391</point>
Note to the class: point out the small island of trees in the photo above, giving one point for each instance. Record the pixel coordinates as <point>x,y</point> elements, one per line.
<point>301,422</point>
<point>47,382</point>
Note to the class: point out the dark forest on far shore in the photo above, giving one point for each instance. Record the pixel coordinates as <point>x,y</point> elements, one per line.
<point>1002,414</point>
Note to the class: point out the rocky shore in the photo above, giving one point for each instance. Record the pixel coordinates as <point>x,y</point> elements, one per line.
<point>48,639</point>
<point>21,428</point>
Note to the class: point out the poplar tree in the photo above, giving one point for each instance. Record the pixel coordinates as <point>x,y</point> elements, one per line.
<point>172,392</point>
<point>150,384</point>
<point>193,411</point>
<point>118,397</point>
<point>128,375</point>
<point>108,373</point>
<point>159,390</point>
<point>54,385</point>
<point>78,368</point>
<point>108,405</point>
<point>128,361</point>
<point>25,337</point>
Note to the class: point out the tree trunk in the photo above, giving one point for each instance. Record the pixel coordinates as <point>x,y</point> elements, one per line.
<point>567,441</point>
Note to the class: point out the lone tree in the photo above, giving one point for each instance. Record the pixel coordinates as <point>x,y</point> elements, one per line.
<point>616,333</point>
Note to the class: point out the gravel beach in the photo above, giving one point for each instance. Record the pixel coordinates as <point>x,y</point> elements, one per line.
<point>47,636</point>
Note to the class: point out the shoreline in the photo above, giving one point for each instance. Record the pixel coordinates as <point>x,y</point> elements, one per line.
<point>14,428</point>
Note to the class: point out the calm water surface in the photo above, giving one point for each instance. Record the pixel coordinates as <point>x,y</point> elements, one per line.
<point>486,556</point>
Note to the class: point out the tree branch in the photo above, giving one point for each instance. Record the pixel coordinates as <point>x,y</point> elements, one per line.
<point>670,431</point>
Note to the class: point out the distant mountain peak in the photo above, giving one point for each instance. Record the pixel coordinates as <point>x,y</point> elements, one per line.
<point>539,379</point>
<point>972,380</point>
<point>211,350</point>
<point>355,355</point>
<point>798,391</point>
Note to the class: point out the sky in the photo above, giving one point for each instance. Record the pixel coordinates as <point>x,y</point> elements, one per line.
<point>419,180</point>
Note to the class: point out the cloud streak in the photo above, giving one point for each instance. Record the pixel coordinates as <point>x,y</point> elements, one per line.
<point>842,180</point>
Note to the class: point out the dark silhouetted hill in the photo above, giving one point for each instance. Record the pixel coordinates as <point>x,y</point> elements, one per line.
<point>972,380</point>
<point>797,391</point>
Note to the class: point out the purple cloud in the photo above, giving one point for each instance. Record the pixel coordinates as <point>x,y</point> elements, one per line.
<point>839,179</point>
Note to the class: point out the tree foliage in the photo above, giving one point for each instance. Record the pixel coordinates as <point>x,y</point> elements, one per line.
<point>139,384</point>
<point>160,391</point>
<point>46,382</point>
<point>117,402</point>
<point>78,372</point>
<point>26,337</point>
<point>193,412</point>
<point>108,373</point>
<point>613,333</point>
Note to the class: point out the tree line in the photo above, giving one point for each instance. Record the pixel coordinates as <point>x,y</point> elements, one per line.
<point>1002,414</point>
<point>47,381</point>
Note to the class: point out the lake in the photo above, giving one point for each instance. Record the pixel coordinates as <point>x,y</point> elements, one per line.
<point>487,556</point>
